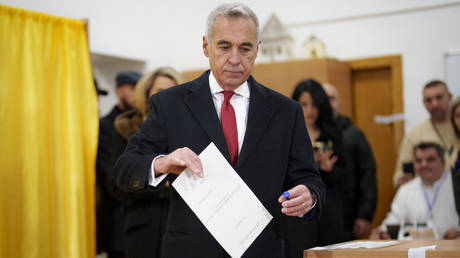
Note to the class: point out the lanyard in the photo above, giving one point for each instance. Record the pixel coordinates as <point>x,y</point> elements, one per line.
<point>430,204</point>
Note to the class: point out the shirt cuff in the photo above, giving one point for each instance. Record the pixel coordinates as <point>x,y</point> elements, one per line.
<point>315,199</point>
<point>155,181</point>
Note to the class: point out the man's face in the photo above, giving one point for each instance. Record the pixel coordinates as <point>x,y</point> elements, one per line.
<point>126,97</point>
<point>428,165</point>
<point>436,100</point>
<point>232,50</point>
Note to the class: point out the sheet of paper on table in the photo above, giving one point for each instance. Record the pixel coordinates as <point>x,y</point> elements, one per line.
<point>357,244</point>
<point>223,202</point>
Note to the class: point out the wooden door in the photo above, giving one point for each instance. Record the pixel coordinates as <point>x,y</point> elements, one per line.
<point>377,90</point>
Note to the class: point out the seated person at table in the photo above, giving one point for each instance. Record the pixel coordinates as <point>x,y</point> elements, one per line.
<point>428,198</point>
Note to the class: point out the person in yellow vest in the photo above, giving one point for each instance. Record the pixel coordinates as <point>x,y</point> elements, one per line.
<point>437,129</point>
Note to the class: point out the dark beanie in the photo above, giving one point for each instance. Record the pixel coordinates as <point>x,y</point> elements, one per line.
<point>127,77</point>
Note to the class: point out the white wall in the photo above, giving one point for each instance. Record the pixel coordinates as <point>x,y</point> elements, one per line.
<point>452,70</point>
<point>169,32</point>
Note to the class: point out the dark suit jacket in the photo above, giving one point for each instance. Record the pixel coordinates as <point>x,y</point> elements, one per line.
<point>276,155</point>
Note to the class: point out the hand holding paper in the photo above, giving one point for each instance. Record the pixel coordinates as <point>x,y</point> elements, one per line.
<point>177,161</point>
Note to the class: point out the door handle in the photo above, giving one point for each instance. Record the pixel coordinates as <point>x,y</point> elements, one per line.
<point>389,119</point>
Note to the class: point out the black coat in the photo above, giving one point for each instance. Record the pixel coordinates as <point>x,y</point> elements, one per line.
<point>276,155</point>
<point>109,211</point>
<point>360,187</point>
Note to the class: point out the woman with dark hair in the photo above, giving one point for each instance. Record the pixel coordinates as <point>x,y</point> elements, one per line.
<point>317,110</point>
<point>326,138</point>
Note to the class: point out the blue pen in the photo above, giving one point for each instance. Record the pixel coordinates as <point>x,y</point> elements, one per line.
<point>286,194</point>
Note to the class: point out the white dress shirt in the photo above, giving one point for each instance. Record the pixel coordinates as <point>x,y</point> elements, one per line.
<point>240,103</point>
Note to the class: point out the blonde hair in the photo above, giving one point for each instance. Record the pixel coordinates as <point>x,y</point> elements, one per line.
<point>146,82</point>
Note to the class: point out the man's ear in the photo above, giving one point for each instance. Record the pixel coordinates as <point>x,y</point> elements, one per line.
<point>257,50</point>
<point>205,46</point>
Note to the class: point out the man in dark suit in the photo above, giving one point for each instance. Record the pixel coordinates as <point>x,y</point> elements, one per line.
<point>260,132</point>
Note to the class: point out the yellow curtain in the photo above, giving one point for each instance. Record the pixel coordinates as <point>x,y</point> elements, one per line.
<point>48,137</point>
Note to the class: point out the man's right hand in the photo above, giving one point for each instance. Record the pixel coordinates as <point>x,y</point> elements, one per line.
<point>177,161</point>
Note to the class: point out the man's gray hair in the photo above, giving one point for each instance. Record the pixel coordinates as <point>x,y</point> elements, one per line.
<point>230,10</point>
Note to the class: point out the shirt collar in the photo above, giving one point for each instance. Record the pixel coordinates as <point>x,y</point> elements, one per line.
<point>437,182</point>
<point>440,180</point>
<point>242,90</point>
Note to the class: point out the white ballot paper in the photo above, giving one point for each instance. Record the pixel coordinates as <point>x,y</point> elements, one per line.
<point>357,244</point>
<point>223,202</point>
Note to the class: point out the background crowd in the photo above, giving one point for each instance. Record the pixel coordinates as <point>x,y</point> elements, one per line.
<point>343,156</point>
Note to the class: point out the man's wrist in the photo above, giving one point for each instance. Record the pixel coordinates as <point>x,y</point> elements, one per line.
<point>157,165</point>
<point>155,179</point>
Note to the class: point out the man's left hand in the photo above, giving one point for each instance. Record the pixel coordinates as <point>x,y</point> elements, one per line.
<point>298,203</point>
<point>361,228</point>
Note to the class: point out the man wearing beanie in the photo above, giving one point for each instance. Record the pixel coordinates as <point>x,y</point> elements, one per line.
<point>109,216</point>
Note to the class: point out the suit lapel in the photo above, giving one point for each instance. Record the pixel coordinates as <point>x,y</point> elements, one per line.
<point>260,112</point>
<point>201,105</point>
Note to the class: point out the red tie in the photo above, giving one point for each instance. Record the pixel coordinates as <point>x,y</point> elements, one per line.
<point>228,121</point>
